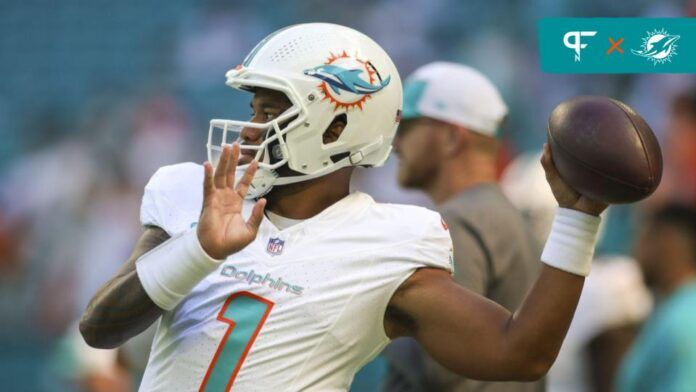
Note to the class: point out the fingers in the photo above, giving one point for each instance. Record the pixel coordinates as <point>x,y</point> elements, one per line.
<point>219,178</point>
<point>256,216</point>
<point>547,163</point>
<point>232,165</point>
<point>565,195</point>
<point>225,172</point>
<point>545,156</point>
<point>208,185</point>
<point>244,183</point>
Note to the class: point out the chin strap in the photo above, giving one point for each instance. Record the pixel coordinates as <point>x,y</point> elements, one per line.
<point>357,157</point>
<point>266,179</point>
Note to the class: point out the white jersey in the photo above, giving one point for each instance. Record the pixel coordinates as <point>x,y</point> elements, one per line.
<point>298,309</point>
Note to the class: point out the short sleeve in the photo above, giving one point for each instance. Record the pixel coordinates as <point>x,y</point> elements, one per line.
<point>434,248</point>
<point>173,197</point>
<point>413,238</point>
<point>149,215</point>
<point>470,263</point>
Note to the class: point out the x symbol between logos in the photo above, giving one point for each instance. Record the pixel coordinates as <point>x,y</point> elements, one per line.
<point>615,45</point>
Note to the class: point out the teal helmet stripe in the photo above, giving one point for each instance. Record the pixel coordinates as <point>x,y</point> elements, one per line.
<point>413,92</point>
<point>263,42</point>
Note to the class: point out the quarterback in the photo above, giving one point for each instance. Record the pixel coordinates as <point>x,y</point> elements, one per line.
<point>265,273</point>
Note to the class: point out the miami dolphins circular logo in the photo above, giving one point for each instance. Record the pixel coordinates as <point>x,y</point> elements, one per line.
<point>347,81</point>
<point>658,46</point>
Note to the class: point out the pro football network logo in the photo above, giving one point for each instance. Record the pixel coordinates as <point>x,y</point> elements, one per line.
<point>658,46</point>
<point>275,246</point>
<point>573,40</point>
<point>348,81</point>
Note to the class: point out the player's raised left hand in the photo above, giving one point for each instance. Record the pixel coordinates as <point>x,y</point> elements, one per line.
<point>222,230</point>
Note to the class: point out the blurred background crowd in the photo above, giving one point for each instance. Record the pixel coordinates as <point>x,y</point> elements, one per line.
<point>95,96</point>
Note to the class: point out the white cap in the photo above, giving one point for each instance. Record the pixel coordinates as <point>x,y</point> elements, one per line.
<point>456,94</point>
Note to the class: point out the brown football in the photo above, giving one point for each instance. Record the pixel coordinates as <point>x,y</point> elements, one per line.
<point>604,149</point>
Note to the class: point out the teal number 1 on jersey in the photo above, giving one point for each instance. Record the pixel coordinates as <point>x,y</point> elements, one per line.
<point>245,313</point>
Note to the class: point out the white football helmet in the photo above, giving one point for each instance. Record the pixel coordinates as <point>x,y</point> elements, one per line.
<point>325,70</point>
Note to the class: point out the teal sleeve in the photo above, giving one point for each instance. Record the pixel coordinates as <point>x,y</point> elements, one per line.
<point>648,364</point>
<point>662,359</point>
<point>684,351</point>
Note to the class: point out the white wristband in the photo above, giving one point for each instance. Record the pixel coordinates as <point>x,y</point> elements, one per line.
<point>169,271</point>
<point>571,243</point>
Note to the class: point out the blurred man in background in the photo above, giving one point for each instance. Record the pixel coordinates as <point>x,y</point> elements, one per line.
<point>679,180</point>
<point>447,147</point>
<point>664,355</point>
<point>614,301</point>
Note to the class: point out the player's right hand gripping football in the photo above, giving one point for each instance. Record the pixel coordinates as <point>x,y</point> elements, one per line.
<point>222,230</point>
<point>565,195</point>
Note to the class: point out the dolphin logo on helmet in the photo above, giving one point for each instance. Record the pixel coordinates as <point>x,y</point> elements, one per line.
<point>339,78</point>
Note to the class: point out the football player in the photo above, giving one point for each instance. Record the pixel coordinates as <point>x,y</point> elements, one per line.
<point>266,273</point>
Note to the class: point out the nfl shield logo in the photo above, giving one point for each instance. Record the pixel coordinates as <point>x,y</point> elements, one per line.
<point>275,246</point>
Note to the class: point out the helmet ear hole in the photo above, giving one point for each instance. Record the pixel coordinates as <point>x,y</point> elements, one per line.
<point>335,129</point>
